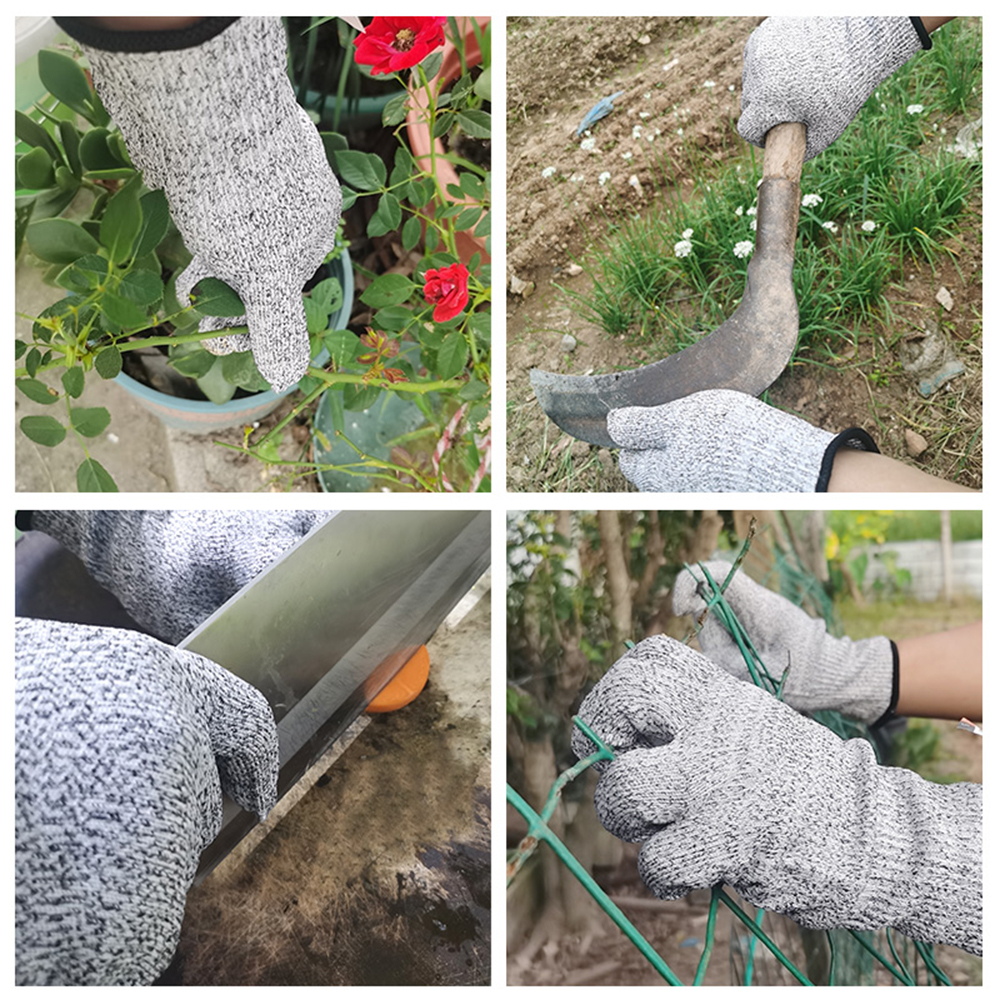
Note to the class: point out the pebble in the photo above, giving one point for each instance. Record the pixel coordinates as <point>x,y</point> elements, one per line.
<point>568,343</point>
<point>944,297</point>
<point>916,444</point>
<point>573,270</point>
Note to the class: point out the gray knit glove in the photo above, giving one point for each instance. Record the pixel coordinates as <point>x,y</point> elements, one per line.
<point>819,71</point>
<point>720,440</point>
<point>217,127</point>
<point>171,569</point>
<point>723,783</point>
<point>123,748</point>
<point>855,678</point>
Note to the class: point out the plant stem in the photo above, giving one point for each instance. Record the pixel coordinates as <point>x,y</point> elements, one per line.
<point>342,378</point>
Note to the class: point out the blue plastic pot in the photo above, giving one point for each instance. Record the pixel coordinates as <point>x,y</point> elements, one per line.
<point>197,416</point>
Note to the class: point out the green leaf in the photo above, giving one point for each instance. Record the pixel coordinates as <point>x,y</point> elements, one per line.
<point>141,287</point>
<point>84,275</point>
<point>442,124</point>
<point>453,354</point>
<point>155,220</point>
<point>32,361</point>
<point>35,169</point>
<point>335,401</point>
<point>109,174</point>
<point>348,197</point>
<point>471,185</point>
<point>122,221</point>
<point>92,477</point>
<point>343,347</point>
<point>388,290</point>
<point>394,113</point>
<point>94,152</point>
<point>194,362</point>
<point>70,136</point>
<point>468,218</point>
<point>19,348</point>
<point>64,79</point>
<point>108,362</point>
<point>23,209</point>
<point>473,389</point>
<point>213,297</point>
<point>329,293</point>
<point>393,318</point>
<point>36,390</point>
<point>387,215</point>
<point>34,135</point>
<point>483,227</point>
<point>59,240</point>
<point>123,312</point>
<point>360,397</point>
<point>46,431</point>
<point>483,87</point>
<point>480,323</point>
<point>89,420</point>
<point>215,386</point>
<point>475,123</point>
<point>412,231</point>
<point>364,171</point>
<point>240,369</point>
<point>72,381</point>
<point>432,64</point>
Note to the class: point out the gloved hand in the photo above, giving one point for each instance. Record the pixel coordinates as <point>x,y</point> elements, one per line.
<point>123,748</point>
<point>819,71</point>
<point>855,678</point>
<point>720,440</point>
<point>216,125</point>
<point>723,783</point>
<point>171,569</point>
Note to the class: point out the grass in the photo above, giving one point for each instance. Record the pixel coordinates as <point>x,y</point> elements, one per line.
<point>891,167</point>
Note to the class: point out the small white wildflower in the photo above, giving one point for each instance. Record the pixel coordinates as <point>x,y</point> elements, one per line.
<point>604,178</point>
<point>648,94</point>
<point>627,155</point>
<point>680,131</point>
<point>588,144</point>
<point>548,172</point>
<point>650,137</point>
<point>732,87</point>
<point>682,248</point>
<point>743,249</point>
<point>709,83</point>
<point>869,225</point>
<point>752,210</point>
<point>687,234</point>
<point>753,225</point>
<point>914,109</point>
<point>659,132</point>
<point>811,200</point>
<point>739,211</point>
<point>636,131</point>
<point>832,226</point>
<point>645,114</point>
<point>576,178</point>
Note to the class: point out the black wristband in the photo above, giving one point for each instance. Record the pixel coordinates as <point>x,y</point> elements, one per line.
<point>890,712</point>
<point>853,437</point>
<point>22,520</point>
<point>918,26</point>
<point>86,31</point>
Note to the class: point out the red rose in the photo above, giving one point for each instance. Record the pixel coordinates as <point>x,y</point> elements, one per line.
<point>447,290</point>
<point>390,44</point>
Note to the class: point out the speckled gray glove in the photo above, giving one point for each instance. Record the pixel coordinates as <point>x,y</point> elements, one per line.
<point>212,119</point>
<point>123,746</point>
<point>720,440</point>
<point>856,678</point>
<point>819,71</point>
<point>171,569</point>
<point>723,783</point>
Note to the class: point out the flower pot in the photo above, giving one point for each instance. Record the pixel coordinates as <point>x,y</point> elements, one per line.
<point>419,136</point>
<point>197,416</point>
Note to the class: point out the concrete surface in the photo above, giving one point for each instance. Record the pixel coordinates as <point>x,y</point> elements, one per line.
<point>379,874</point>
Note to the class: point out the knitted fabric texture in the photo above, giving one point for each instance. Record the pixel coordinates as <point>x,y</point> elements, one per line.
<point>244,170</point>
<point>824,672</point>
<point>718,440</point>
<point>172,569</point>
<point>818,71</point>
<point>123,746</point>
<point>723,783</point>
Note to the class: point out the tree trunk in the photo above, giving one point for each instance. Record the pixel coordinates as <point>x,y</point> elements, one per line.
<point>948,585</point>
<point>616,568</point>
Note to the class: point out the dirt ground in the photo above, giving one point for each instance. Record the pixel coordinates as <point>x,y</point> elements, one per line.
<point>558,68</point>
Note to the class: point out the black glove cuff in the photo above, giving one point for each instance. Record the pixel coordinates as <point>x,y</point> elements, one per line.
<point>853,437</point>
<point>86,31</point>
<point>22,520</point>
<point>918,25</point>
<point>890,712</point>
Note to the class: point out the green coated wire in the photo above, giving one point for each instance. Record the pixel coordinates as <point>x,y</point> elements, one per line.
<point>751,948</point>
<point>871,949</point>
<point>833,958</point>
<point>933,968</point>
<point>764,939</point>
<point>901,965</point>
<point>706,953</point>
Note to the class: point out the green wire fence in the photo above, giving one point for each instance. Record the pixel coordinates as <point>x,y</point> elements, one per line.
<point>852,956</point>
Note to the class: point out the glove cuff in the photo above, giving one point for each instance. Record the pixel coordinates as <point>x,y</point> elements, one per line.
<point>87,32</point>
<point>853,437</point>
<point>918,27</point>
<point>890,712</point>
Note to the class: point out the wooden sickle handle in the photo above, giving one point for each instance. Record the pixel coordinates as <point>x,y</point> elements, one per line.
<point>784,150</point>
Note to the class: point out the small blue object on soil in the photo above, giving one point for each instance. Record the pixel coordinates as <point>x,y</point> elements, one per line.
<point>600,110</point>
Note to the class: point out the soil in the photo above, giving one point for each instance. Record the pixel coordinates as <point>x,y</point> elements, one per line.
<point>559,68</point>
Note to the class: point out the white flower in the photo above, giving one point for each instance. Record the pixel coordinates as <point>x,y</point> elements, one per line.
<point>811,200</point>
<point>576,178</point>
<point>914,109</point>
<point>588,144</point>
<point>683,248</point>
<point>732,87</point>
<point>752,210</point>
<point>604,178</point>
<point>739,211</point>
<point>650,137</point>
<point>743,249</point>
<point>687,234</point>
<point>548,171</point>
<point>648,94</point>
<point>680,131</point>
<point>709,83</point>
<point>645,114</point>
<point>636,131</point>
<point>832,226</point>
<point>753,225</point>
<point>869,226</point>
<point>627,155</point>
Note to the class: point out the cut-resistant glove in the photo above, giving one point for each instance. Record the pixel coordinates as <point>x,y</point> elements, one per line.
<point>123,747</point>
<point>819,71</point>
<point>824,672</point>
<point>720,440</point>
<point>723,783</point>
<point>209,115</point>
<point>171,569</point>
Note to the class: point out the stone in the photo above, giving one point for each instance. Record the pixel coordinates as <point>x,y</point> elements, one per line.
<point>916,444</point>
<point>944,297</point>
<point>568,343</point>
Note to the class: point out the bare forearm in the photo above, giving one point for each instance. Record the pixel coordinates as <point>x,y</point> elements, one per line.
<point>933,23</point>
<point>866,472</point>
<point>941,675</point>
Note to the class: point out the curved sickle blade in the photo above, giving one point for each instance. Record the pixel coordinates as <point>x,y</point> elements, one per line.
<point>747,353</point>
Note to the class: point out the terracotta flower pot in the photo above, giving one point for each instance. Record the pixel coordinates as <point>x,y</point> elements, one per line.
<point>419,134</point>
